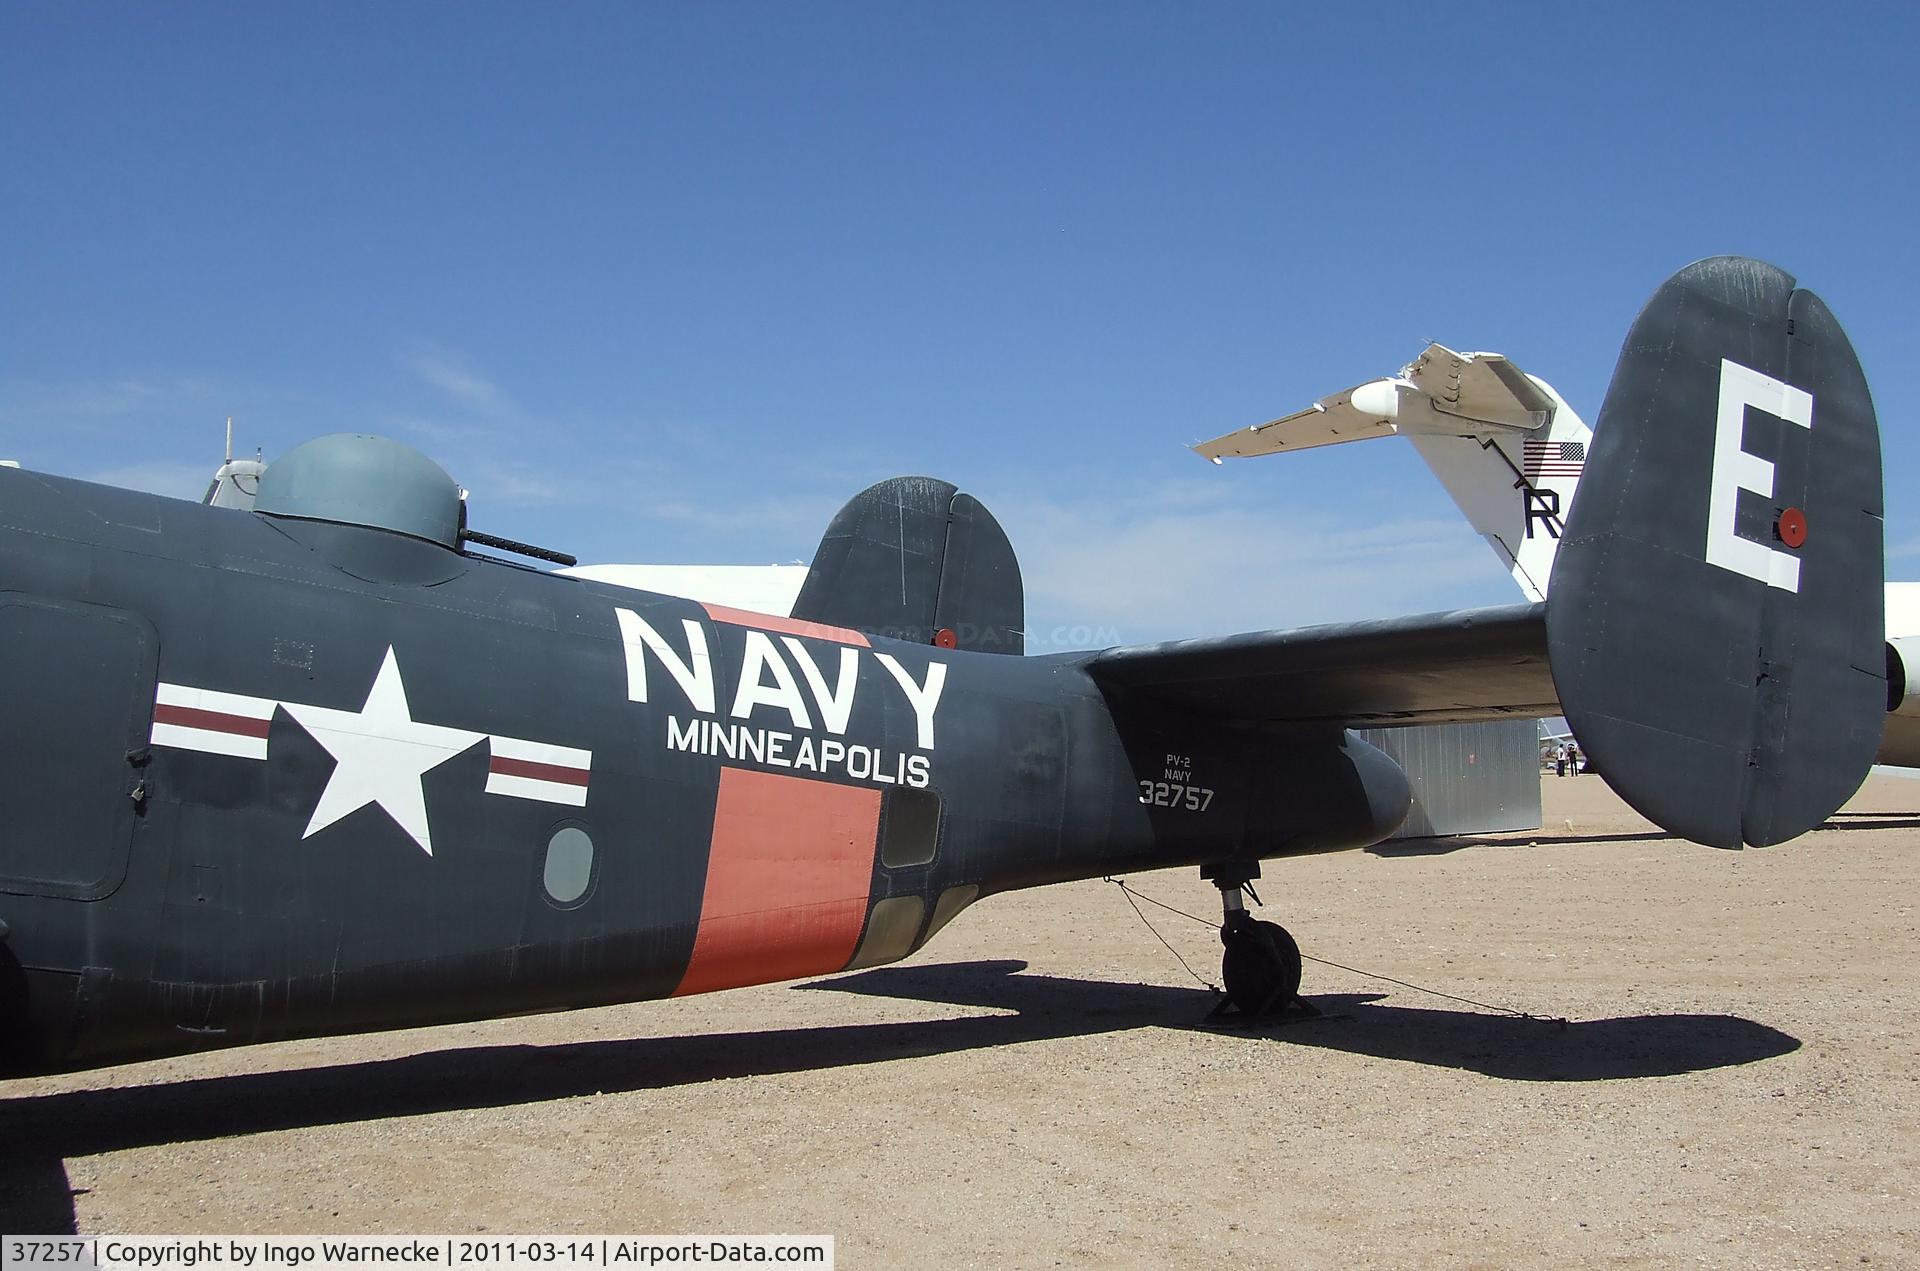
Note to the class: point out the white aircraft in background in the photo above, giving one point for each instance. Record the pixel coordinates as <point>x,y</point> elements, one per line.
<point>770,589</point>
<point>1510,451</point>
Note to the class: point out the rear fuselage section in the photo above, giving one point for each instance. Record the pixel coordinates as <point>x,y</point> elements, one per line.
<point>270,778</point>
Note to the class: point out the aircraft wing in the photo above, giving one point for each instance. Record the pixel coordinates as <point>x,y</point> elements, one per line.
<point>1327,422</point>
<point>1430,669</point>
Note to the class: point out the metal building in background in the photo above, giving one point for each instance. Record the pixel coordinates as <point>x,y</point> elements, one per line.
<point>1467,778</point>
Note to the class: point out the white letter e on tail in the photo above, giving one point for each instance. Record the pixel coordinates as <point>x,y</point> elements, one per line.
<point>1734,469</point>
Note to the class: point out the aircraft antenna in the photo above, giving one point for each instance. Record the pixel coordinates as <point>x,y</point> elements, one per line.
<point>229,438</point>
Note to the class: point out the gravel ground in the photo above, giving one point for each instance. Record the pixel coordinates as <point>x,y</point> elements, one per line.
<point>1738,1083</point>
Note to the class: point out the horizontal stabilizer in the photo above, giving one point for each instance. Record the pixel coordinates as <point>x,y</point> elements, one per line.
<point>1327,422</point>
<point>1440,393</point>
<point>1430,669</point>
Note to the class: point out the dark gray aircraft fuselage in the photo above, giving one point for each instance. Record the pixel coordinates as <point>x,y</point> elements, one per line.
<point>269,778</point>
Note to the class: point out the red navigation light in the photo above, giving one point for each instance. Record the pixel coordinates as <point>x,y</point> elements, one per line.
<point>1792,527</point>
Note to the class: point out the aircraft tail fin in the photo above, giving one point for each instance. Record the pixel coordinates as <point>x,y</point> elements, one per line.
<point>914,558</point>
<point>1515,488</point>
<point>1714,634</point>
<point>1715,627</point>
<point>1505,444</point>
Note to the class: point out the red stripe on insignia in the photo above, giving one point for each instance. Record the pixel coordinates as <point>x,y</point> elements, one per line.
<point>788,873</point>
<point>502,766</point>
<point>211,721</point>
<point>792,626</point>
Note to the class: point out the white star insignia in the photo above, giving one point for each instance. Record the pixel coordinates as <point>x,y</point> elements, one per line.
<point>380,755</point>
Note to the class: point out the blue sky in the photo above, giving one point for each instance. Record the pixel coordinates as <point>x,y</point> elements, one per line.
<point>669,282</point>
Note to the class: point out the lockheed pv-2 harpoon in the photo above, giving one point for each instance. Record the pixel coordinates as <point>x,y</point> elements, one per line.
<point>322,766</point>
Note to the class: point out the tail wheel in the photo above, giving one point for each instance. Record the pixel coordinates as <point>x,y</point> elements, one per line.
<point>1261,966</point>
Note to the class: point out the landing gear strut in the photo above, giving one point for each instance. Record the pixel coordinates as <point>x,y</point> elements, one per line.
<point>1260,968</point>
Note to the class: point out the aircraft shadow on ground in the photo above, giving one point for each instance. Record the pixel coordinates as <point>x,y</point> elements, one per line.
<point>1455,843</point>
<point>1873,821</point>
<point>1441,846</point>
<point>45,1130</point>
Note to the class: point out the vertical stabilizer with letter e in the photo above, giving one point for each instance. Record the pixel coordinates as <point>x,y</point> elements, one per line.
<point>1724,563</point>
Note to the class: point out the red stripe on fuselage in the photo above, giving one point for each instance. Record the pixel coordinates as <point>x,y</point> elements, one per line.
<point>791,626</point>
<point>538,771</point>
<point>788,874</point>
<point>211,721</point>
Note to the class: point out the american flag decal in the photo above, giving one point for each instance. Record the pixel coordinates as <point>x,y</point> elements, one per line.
<point>1552,458</point>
